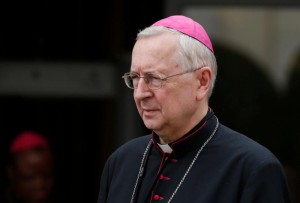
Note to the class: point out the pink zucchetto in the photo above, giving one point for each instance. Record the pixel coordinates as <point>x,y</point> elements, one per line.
<point>188,27</point>
<point>28,140</point>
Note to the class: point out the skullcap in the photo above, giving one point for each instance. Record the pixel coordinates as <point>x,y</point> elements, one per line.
<point>188,27</point>
<point>28,140</point>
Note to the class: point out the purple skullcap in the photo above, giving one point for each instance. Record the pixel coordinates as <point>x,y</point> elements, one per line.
<point>187,26</point>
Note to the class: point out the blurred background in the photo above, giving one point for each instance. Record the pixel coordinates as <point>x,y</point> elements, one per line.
<point>61,64</point>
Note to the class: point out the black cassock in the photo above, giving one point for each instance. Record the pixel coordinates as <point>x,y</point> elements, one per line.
<point>231,168</point>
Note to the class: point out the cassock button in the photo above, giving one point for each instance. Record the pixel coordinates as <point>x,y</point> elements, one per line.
<point>162,177</point>
<point>174,160</point>
<point>157,197</point>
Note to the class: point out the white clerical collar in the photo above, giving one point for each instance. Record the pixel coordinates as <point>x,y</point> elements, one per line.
<point>165,147</point>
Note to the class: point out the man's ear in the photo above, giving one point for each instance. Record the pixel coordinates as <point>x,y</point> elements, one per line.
<point>204,76</point>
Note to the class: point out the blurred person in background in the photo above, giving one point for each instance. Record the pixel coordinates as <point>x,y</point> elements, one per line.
<point>29,170</point>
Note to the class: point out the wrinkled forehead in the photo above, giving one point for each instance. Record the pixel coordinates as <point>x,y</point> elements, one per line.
<point>159,52</point>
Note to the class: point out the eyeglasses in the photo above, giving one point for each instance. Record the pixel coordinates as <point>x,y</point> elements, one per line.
<point>152,80</point>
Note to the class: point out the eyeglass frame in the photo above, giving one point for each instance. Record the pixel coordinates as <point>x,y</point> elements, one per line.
<point>127,75</point>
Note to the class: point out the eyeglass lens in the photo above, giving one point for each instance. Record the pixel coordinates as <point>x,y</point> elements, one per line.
<point>152,81</point>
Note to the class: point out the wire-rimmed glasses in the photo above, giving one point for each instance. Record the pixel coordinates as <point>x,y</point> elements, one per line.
<point>153,81</point>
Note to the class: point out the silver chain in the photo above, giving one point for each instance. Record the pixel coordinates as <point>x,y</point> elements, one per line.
<point>141,170</point>
<point>195,158</point>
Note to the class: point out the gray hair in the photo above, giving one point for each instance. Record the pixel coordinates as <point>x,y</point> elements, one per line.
<point>191,54</point>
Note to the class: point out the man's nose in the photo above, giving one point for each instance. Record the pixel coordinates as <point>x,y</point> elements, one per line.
<point>142,89</point>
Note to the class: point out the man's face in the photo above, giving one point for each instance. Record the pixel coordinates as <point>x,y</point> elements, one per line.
<point>170,109</point>
<point>32,177</point>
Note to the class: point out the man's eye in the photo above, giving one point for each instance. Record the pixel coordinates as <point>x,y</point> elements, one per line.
<point>153,77</point>
<point>134,76</point>
<point>156,81</point>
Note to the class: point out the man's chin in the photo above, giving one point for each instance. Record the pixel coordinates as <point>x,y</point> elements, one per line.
<point>150,124</point>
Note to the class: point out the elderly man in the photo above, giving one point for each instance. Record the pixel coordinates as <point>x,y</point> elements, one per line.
<point>190,157</point>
